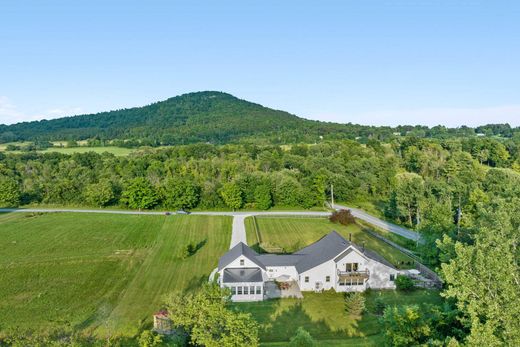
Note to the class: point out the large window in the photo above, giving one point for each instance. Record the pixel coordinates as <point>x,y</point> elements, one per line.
<point>246,290</point>
<point>351,267</point>
<point>258,290</point>
<point>239,290</point>
<point>252,290</point>
<point>233,290</point>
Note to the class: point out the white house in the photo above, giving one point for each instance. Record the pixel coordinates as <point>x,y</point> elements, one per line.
<point>330,263</point>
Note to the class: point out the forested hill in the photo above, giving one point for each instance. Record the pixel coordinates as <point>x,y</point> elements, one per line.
<point>196,117</point>
<point>213,117</point>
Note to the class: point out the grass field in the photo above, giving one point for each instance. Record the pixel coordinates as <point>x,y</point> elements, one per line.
<point>293,233</point>
<point>96,272</point>
<point>118,151</point>
<point>324,317</point>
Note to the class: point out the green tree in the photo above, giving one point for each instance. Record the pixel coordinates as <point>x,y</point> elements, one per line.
<point>9,192</point>
<point>302,338</point>
<point>404,326</point>
<point>232,195</point>
<point>263,197</point>
<point>100,194</point>
<point>180,193</point>
<point>484,278</point>
<point>354,303</point>
<point>139,193</point>
<point>409,193</point>
<point>404,283</point>
<point>209,321</point>
<point>149,339</point>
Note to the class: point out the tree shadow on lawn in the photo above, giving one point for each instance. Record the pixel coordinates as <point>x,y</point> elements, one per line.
<point>280,318</point>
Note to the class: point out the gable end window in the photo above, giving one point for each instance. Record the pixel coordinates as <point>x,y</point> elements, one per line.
<point>327,278</point>
<point>242,262</point>
<point>392,277</point>
<point>306,279</point>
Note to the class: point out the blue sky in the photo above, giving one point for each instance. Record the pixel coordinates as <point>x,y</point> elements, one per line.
<point>370,62</point>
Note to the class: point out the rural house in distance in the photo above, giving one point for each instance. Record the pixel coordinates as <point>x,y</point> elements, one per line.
<point>330,263</point>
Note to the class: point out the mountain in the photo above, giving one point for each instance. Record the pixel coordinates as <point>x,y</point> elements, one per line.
<point>208,116</point>
<point>195,117</point>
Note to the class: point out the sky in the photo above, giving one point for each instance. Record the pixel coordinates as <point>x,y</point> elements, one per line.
<point>370,62</point>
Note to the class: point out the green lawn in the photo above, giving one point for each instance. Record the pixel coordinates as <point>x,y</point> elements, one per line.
<point>118,151</point>
<point>293,233</point>
<point>324,317</point>
<point>96,272</point>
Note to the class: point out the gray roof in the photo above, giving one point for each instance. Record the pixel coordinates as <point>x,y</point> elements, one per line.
<point>329,247</point>
<point>279,259</point>
<point>237,251</point>
<point>321,251</point>
<point>237,275</point>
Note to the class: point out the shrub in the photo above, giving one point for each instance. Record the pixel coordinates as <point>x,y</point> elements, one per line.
<point>354,303</point>
<point>379,306</point>
<point>404,283</point>
<point>344,217</point>
<point>302,338</point>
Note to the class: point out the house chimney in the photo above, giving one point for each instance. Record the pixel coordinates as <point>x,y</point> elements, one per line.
<point>350,237</point>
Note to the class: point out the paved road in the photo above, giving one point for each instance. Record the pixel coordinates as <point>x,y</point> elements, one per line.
<point>409,234</point>
<point>238,233</point>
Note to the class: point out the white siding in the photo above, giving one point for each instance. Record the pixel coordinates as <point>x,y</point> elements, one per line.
<point>248,296</point>
<point>318,274</point>
<point>276,271</point>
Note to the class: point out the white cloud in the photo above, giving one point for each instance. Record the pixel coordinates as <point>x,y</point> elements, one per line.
<point>451,117</point>
<point>10,114</point>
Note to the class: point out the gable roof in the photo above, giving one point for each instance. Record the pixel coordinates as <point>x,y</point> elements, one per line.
<point>237,275</point>
<point>330,247</point>
<point>325,249</point>
<point>240,249</point>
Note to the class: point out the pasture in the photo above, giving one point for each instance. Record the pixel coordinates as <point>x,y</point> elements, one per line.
<point>100,273</point>
<point>288,234</point>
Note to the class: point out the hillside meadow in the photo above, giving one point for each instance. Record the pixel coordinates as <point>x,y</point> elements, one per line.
<point>102,274</point>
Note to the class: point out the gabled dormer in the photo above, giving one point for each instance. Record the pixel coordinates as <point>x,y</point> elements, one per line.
<point>240,256</point>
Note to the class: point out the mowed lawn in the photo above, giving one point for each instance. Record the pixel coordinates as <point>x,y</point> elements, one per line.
<point>293,233</point>
<point>100,272</point>
<point>323,316</point>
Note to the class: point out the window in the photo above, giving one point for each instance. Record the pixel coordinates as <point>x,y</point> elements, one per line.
<point>252,290</point>
<point>351,267</point>
<point>392,277</point>
<point>327,278</point>
<point>306,279</point>
<point>239,291</point>
<point>258,290</point>
<point>246,290</point>
<point>242,262</point>
<point>233,290</point>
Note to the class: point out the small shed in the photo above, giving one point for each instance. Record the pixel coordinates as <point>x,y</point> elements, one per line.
<point>162,323</point>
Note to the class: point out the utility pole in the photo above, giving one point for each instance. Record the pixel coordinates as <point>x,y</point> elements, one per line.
<point>332,195</point>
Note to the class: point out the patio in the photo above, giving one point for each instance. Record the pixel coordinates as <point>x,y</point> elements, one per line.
<point>279,289</point>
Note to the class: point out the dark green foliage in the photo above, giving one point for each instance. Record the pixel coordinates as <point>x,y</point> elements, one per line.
<point>139,193</point>
<point>404,283</point>
<point>206,316</point>
<point>9,192</point>
<point>354,303</point>
<point>344,217</point>
<point>302,338</point>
